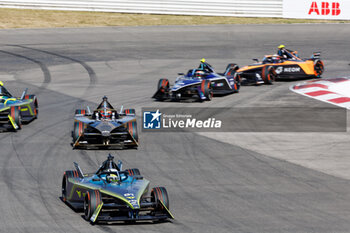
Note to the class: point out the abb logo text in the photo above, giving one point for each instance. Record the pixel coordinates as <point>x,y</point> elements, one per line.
<point>325,8</point>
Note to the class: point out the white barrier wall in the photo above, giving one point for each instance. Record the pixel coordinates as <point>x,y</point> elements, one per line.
<point>307,9</point>
<point>244,8</point>
<point>317,9</point>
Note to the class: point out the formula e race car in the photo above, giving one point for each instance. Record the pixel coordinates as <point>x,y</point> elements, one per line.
<point>201,83</point>
<point>15,111</point>
<point>274,67</point>
<point>105,127</point>
<point>113,194</point>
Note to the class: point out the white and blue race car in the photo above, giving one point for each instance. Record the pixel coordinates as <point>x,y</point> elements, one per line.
<point>201,84</point>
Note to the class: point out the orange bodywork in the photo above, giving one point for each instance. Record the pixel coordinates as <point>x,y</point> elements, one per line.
<point>307,66</point>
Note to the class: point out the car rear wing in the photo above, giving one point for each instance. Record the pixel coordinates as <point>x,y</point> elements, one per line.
<point>316,55</point>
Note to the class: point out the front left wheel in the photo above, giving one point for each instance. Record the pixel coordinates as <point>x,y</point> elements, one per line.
<point>159,194</point>
<point>78,130</point>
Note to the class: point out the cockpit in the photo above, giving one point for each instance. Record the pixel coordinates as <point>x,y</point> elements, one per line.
<point>111,172</point>
<point>272,59</point>
<point>196,74</point>
<point>105,111</point>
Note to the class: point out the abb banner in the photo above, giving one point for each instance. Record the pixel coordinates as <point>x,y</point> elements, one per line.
<point>317,9</point>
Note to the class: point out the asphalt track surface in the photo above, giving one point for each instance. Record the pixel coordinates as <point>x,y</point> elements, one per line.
<point>213,186</point>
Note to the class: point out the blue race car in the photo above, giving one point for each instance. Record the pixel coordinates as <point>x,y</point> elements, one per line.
<point>201,83</point>
<point>113,194</point>
<point>15,111</point>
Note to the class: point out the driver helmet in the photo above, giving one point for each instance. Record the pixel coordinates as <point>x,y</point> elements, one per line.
<point>106,114</point>
<point>113,178</point>
<point>199,74</point>
<point>276,58</point>
<point>203,60</point>
<point>281,46</point>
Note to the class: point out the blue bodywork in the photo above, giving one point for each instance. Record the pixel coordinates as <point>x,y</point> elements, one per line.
<point>198,81</point>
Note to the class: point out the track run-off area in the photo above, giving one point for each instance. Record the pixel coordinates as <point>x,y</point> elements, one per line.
<point>217,182</point>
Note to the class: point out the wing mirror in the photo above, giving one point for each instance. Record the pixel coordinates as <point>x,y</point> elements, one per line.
<point>180,73</point>
<point>256,60</point>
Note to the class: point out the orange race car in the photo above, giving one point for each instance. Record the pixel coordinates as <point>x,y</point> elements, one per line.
<point>274,67</point>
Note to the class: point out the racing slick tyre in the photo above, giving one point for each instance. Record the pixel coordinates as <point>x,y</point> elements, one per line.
<point>130,111</point>
<point>35,104</point>
<point>268,74</point>
<point>78,130</point>
<point>80,111</point>
<point>132,128</point>
<point>318,67</point>
<point>159,194</point>
<point>231,69</point>
<point>66,175</point>
<point>133,172</point>
<point>92,200</point>
<point>237,80</point>
<point>162,89</point>
<point>207,89</point>
<point>15,113</point>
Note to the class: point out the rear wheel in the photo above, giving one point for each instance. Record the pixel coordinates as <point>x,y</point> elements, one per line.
<point>159,194</point>
<point>133,172</point>
<point>132,128</point>
<point>268,74</point>
<point>15,113</point>
<point>318,67</point>
<point>35,104</point>
<point>130,111</point>
<point>78,130</point>
<point>207,89</point>
<point>80,111</point>
<point>237,80</point>
<point>66,175</point>
<point>92,200</point>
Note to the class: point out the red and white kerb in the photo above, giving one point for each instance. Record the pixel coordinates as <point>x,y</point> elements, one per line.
<point>326,90</point>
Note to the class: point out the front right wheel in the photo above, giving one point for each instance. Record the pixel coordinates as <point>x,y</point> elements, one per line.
<point>15,113</point>
<point>207,89</point>
<point>92,200</point>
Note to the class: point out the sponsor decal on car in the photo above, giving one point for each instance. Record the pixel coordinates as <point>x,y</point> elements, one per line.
<point>279,69</point>
<point>291,69</point>
<point>129,195</point>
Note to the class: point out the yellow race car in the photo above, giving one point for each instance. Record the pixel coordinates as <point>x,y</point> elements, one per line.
<point>15,111</point>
